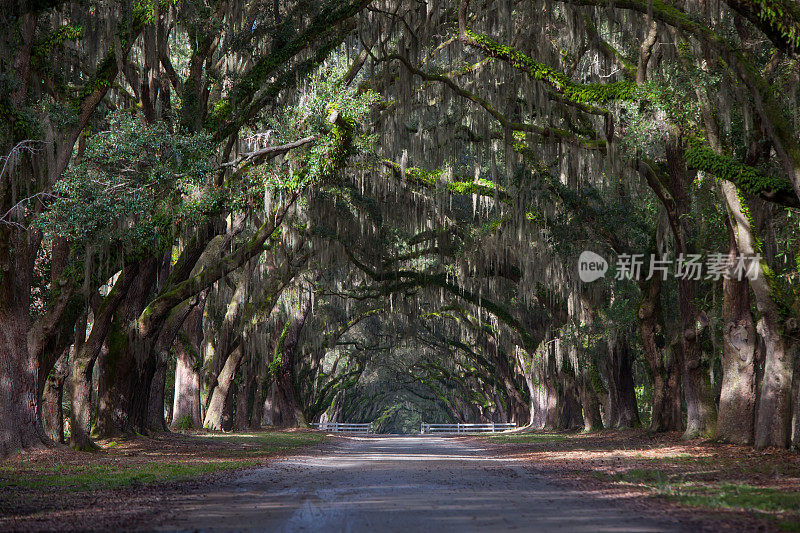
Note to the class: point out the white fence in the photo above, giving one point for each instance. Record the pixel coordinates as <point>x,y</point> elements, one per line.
<point>464,428</point>
<point>340,427</point>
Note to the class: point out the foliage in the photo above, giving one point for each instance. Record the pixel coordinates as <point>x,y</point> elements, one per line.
<point>135,186</point>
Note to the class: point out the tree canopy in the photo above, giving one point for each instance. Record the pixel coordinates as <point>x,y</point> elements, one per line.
<point>236,213</point>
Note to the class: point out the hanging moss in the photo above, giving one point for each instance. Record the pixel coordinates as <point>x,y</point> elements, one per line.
<point>143,14</point>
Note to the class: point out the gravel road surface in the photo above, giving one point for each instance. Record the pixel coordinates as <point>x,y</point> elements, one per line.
<point>403,484</point>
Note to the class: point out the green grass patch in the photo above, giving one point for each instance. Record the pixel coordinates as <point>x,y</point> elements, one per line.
<point>268,442</point>
<point>527,438</point>
<point>105,477</point>
<point>768,501</point>
<point>111,470</point>
<point>736,496</point>
<point>649,477</point>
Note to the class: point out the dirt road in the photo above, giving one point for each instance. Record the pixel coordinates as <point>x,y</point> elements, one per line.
<point>400,484</point>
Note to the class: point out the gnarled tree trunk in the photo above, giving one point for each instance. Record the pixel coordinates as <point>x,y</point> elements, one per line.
<point>19,406</point>
<point>738,394</point>
<point>591,407</point>
<point>288,410</point>
<point>186,411</point>
<point>664,363</point>
<point>222,391</point>
<point>52,399</point>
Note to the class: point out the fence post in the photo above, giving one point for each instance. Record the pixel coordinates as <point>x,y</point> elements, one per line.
<point>492,427</point>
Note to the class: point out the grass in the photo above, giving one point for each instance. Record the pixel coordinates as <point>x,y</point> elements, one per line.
<point>700,475</point>
<point>734,496</point>
<point>713,495</point>
<point>526,438</point>
<point>269,441</point>
<point>107,477</point>
<point>144,461</point>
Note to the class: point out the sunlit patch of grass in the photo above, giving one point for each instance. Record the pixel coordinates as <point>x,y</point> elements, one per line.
<point>735,496</point>
<point>271,441</point>
<point>104,477</point>
<point>646,476</point>
<point>527,438</point>
<point>188,457</point>
<point>767,501</point>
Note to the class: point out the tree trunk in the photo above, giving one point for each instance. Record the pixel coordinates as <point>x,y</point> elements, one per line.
<point>268,412</point>
<point>774,409</point>
<point>186,402</point>
<point>128,368</point>
<point>244,397</point>
<point>796,404</point>
<point>19,406</point>
<point>773,416</point>
<point>81,413</point>
<point>570,411</point>
<point>85,355</point>
<point>287,410</point>
<point>52,334</point>
<point>52,399</point>
<point>258,403</point>
<point>737,397</point>
<point>621,367</point>
<point>550,405</point>
<point>186,411</point>
<point>216,407</point>
<point>701,413</point>
<point>287,403</point>
<point>591,407</point>
<point>156,400</point>
<point>161,353</point>
<point>700,409</point>
<point>664,363</point>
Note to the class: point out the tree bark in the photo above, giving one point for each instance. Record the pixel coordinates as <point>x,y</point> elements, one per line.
<point>268,410</point>
<point>773,416</point>
<point>86,354</point>
<point>701,413</point>
<point>551,420</point>
<point>570,411</point>
<point>244,397</point>
<point>591,407</point>
<point>186,411</point>
<point>287,403</point>
<point>156,401</point>
<point>19,406</point>
<point>738,394</point>
<point>663,362</point>
<point>128,368</point>
<point>216,407</point>
<point>161,353</point>
<point>52,399</point>
<point>256,412</point>
<point>621,387</point>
